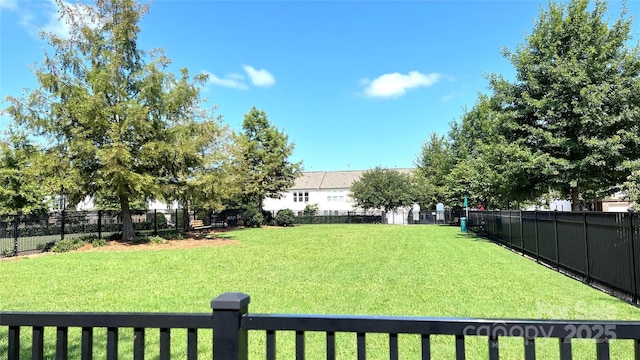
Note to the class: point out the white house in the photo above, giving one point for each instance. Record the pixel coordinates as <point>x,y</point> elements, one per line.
<point>329,189</point>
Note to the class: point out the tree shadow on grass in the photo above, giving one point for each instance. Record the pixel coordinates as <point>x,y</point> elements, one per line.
<point>472,236</point>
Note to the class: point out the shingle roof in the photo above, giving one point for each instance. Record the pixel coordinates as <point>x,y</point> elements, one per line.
<point>309,180</point>
<point>330,179</point>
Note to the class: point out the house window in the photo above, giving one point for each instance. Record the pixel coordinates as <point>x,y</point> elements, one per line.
<point>300,196</point>
<point>328,198</point>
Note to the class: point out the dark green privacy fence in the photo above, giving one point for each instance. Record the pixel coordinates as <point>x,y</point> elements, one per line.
<point>599,248</point>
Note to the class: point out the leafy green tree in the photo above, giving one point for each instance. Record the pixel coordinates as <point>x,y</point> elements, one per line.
<point>311,209</point>
<point>124,124</point>
<point>434,162</point>
<point>21,191</point>
<point>110,201</point>
<point>382,189</point>
<point>218,181</point>
<point>488,169</point>
<point>632,187</point>
<point>207,180</point>
<point>264,159</point>
<point>571,116</point>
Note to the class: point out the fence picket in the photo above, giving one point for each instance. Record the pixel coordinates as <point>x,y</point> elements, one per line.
<point>231,324</point>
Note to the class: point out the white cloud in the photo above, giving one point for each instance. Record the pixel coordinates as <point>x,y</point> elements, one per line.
<point>261,77</point>
<point>9,4</point>
<point>233,80</point>
<point>395,84</point>
<point>60,25</point>
<point>57,24</point>
<point>46,16</point>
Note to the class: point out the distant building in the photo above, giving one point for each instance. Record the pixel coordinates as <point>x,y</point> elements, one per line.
<point>330,190</point>
<point>618,202</point>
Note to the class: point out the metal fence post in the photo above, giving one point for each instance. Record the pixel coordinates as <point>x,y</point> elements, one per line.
<point>493,224</point>
<point>521,234</point>
<point>229,338</point>
<point>16,219</point>
<point>63,220</point>
<point>586,246</point>
<point>176,224</point>
<point>634,285</point>
<point>510,229</point>
<point>99,224</point>
<point>535,229</point>
<point>555,234</point>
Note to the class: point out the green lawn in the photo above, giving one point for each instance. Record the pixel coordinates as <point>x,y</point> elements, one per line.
<point>326,269</point>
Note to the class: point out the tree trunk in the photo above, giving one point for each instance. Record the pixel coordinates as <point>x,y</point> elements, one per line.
<point>186,219</point>
<point>127,224</point>
<point>575,200</point>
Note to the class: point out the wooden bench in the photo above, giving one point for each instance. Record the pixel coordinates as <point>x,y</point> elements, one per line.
<point>198,225</point>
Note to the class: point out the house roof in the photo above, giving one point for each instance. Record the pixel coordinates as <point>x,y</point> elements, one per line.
<point>330,179</point>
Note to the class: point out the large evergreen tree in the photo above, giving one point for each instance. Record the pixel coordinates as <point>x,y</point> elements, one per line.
<point>573,111</point>
<point>264,163</point>
<point>122,123</point>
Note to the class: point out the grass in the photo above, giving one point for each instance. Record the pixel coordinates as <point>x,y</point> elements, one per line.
<point>325,269</point>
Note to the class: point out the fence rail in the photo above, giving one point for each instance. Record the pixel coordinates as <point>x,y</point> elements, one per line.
<point>599,248</point>
<point>28,233</point>
<point>231,323</point>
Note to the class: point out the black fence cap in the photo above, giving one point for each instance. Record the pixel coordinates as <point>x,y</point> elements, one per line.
<point>230,301</point>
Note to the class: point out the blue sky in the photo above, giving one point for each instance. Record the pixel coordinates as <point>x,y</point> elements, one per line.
<point>355,84</point>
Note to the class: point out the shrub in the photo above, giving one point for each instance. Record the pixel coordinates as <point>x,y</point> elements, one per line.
<point>6,253</point>
<point>99,242</point>
<point>268,217</point>
<point>156,239</point>
<point>46,247</point>
<point>88,238</point>
<point>140,240</point>
<point>252,218</point>
<point>148,239</point>
<point>115,237</point>
<point>285,217</point>
<point>67,245</point>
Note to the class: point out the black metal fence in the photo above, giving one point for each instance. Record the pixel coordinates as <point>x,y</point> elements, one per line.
<point>379,217</point>
<point>340,217</point>
<point>21,234</point>
<point>231,324</point>
<point>597,247</point>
